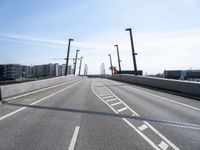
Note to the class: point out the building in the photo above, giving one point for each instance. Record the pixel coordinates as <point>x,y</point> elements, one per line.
<point>10,71</point>
<point>17,71</point>
<point>182,74</point>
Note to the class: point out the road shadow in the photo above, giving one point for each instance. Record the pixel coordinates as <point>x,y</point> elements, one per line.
<point>170,123</point>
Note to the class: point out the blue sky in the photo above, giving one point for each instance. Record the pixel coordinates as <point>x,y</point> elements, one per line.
<point>166,33</point>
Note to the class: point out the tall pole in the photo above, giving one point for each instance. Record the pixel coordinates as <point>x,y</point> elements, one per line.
<point>76,61</point>
<point>111,64</point>
<point>80,66</point>
<point>133,51</point>
<point>67,59</point>
<point>118,58</point>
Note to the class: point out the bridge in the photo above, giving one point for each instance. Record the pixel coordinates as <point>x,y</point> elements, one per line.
<point>119,112</point>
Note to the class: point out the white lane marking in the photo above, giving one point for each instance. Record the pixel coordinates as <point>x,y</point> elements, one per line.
<point>110,100</point>
<point>143,135</point>
<point>111,96</point>
<point>12,113</point>
<point>186,105</point>
<point>131,125</point>
<point>142,127</point>
<point>18,110</point>
<point>150,126</point>
<point>162,136</point>
<point>74,139</point>
<point>116,104</point>
<point>122,109</point>
<point>133,114</point>
<point>36,91</point>
<point>163,145</point>
<point>104,94</point>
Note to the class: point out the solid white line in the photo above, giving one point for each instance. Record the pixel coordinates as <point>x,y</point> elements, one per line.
<point>131,125</point>
<point>162,136</point>
<point>36,91</point>
<point>110,100</point>
<point>116,104</point>
<point>142,127</point>
<point>140,133</point>
<point>18,110</point>
<point>163,145</point>
<point>167,99</point>
<point>150,126</point>
<point>122,109</point>
<point>74,138</point>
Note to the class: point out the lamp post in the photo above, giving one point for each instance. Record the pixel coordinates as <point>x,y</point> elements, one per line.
<point>111,64</point>
<point>75,61</point>
<point>80,66</point>
<point>118,58</point>
<point>133,51</point>
<point>67,59</point>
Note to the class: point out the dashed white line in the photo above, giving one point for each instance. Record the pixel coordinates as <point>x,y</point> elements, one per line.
<point>163,145</point>
<point>142,127</point>
<point>74,139</point>
<point>116,104</point>
<point>122,109</point>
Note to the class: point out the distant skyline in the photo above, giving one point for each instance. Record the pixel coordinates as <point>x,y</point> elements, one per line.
<point>166,33</point>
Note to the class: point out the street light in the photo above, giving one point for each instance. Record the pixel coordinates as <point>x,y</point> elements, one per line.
<point>133,51</point>
<point>75,61</point>
<point>118,58</point>
<point>110,63</point>
<point>80,66</point>
<point>67,59</point>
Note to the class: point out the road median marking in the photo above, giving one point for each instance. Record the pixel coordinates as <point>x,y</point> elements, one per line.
<point>133,113</point>
<point>110,100</point>
<point>142,127</point>
<point>122,109</point>
<point>163,145</point>
<point>116,104</point>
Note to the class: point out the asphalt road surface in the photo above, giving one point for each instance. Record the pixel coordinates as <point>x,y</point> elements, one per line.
<point>99,114</point>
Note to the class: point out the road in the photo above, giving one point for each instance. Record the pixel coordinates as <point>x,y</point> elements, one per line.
<point>99,114</point>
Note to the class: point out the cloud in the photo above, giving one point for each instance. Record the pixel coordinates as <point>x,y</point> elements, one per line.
<point>156,51</point>
<point>33,40</point>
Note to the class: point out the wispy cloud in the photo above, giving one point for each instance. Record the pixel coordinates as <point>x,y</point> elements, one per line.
<point>33,40</point>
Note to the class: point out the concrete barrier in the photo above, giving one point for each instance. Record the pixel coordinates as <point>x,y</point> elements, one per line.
<point>185,87</point>
<point>20,88</point>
